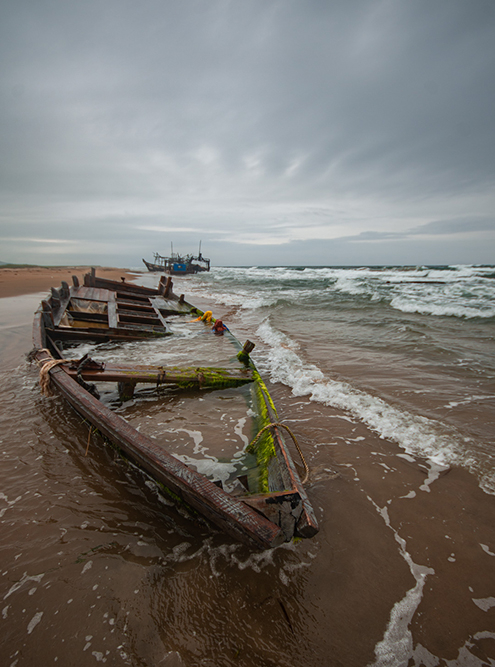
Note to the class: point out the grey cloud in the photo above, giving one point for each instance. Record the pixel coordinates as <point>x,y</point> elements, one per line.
<point>376,236</point>
<point>226,116</point>
<point>456,226</point>
<point>433,228</point>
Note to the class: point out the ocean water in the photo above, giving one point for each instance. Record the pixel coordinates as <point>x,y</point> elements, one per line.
<point>407,351</point>
<point>386,375</point>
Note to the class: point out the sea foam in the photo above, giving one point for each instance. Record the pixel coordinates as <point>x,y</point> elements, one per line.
<point>416,434</point>
<point>463,291</point>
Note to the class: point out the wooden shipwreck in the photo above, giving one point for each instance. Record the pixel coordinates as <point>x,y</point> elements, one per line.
<point>263,505</point>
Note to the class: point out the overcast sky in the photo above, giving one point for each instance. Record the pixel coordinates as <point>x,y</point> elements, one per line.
<point>274,131</point>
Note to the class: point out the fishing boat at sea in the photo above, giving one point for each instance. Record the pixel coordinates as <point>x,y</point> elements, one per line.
<point>178,265</point>
<point>224,455</point>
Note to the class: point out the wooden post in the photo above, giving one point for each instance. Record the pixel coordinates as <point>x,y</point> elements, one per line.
<point>181,299</point>
<point>47,315</point>
<point>168,287</point>
<point>248,347</point>
<point>55,300</point>
<point>64,290</point>
<point>75,281</point>
<point>161,285</point>
<point>126,390</point>
<point>243,355</point>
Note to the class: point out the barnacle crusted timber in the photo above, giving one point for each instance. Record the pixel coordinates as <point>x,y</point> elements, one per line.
<point>269,504</point>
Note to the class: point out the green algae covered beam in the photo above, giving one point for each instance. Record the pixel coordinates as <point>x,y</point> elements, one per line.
<point>201,377</point>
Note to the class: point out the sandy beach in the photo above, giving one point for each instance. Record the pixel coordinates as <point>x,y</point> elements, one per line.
<point>28,280</point>
<point>393,410</point>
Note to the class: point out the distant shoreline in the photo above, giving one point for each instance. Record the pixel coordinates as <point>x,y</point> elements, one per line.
<point>16,280</point>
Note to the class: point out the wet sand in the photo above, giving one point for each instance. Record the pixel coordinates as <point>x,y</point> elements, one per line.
<point>28,280</point>
<point>96,568</point>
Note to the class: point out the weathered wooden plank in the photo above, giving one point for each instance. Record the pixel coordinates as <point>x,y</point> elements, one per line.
<point>203,377</point>
<point>119,287</point>
<point>104,335</point>
<point>92,293</point>
<point>144,305</point>
<point>230,514</point>
<point>160,317</point>
<point>151,319</point>
<point>165,286</point>
<point>284,509</point>
<point>170,307</point>
<point>133,297</point>
<point>39,336</point>
<point>59,312</point>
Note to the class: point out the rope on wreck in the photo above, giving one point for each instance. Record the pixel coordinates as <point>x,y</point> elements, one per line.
<point>276,424</point>
<point>46,366</point>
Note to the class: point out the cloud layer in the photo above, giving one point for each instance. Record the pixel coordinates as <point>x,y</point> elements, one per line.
<point>276,132</point>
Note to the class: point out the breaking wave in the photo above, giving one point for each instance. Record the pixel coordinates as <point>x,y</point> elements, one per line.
<point>416,434</point>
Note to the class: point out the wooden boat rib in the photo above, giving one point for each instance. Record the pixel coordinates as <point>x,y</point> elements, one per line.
<point>277,510</point>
